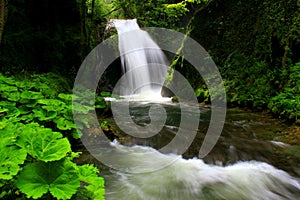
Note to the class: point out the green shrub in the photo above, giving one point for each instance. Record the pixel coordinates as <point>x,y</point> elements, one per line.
<point>35,153</point>
<point>286,104</point>
<point>248,82</point>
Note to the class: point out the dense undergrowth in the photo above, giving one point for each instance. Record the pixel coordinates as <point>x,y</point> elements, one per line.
<point>253,84</point>
<point>255,45</point>
<point>36,125</point>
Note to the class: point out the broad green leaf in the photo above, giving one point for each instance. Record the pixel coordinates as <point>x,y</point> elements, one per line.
<point>97,193</point>
<point>76,134</point>
<point>4,123</point>
<point>81,109</point>
<point>67,184</point>
<point>104,123</point>
<point>14,112</point>
<point>198,92</point>
<point>7,88</point>
<point>7,104</point>
<point>39,112</point>
<point>64,124</point>
<point>67,97</point>
<point>25,84</point>
<point>45,89</point>
<point>7,80</point>
<point>67,114</point>
<point>53,108</point>
<point>88,174</point>
<point>50,115</point>
<point>10,159</point>
<point>43,115</point>
<point>24,109</point>
<point>2,110</point>
<point>31,95</point>
<point>52,102</point>
<point>60,178</point>
<point>11,156</point>
<point>42,143</point>
<point>12,96</point>
<point>105,94</point>
<point>83,120</point>
<point>100,103</point>
<point>74,155</point>
<point>27,118</point>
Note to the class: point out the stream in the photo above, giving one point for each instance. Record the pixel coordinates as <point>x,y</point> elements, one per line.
<point>248,162</point>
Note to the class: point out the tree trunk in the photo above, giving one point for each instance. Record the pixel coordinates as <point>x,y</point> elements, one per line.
<point>3,16</point>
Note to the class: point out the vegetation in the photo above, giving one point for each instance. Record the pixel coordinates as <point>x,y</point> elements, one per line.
<point>255,44</point>
<point>36,156</point>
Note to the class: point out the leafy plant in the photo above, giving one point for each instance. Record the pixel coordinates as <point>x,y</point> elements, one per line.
<point>248,82</point>
<point>36,100</point>
<point>95,187</point>
<point>42,143</point>
<point>157,13</point>
<point>60,178</point>
<point>287,103</point>
<point>11,156</point>
<point>36,155</point>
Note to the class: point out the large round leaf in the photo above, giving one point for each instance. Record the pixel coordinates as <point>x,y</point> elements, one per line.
<point>31,95</point>
<point>43,143</point>
<point>60,178</point>
<point>95,187</point>
<point>11,156</point>
<point>64,124</point>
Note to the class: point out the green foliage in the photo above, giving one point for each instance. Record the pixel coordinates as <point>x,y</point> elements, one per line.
<point>202,94</point>
<point>42,143</point>
<point>11,156</point>
<point>248,82</point>
<point>260,29</point>
<point>254,84</point>
<point>286,104</point>
<point>157,13</point>
<point>34,156</point>
<point>95,187</point>
<point>39,100</point>
<point>60,178</point>
<point>175,11</point>
<point>256,45</point>
<point>103,124</point>
<point>280,21</point>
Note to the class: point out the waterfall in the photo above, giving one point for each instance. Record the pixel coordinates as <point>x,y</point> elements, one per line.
<point>143,172</point>
<point>144,64</point>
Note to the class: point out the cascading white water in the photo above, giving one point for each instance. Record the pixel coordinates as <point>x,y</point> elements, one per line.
<point>143,62</point>
<point>146,66</point>
<point>193,179</point>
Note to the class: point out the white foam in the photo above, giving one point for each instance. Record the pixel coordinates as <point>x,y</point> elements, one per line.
<point>193,179</point>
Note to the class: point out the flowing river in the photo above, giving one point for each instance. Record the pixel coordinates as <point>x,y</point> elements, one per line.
<point>246,163</point>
